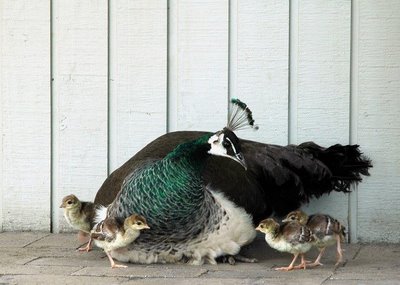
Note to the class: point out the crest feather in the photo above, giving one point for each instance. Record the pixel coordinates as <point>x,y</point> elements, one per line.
<point>240,116</point>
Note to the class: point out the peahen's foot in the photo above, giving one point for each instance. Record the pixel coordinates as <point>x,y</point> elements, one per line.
<point>231,259</point>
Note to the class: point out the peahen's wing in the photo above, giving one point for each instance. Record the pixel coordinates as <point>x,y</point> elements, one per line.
<point>278,180</point>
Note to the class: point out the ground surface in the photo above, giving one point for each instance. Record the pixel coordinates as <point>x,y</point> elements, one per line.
<point>40,258</point>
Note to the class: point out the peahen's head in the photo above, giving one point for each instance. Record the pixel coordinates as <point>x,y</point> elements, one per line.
<point>222,143</point>
<point>226,143</point>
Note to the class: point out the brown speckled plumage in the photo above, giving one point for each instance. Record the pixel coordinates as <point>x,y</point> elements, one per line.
<point>327,230</point>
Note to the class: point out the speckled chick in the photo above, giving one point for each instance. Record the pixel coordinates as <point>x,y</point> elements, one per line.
<point>327,230</point>
<point>80,215</point>
<point>115,232</point>
<point>290,237</point>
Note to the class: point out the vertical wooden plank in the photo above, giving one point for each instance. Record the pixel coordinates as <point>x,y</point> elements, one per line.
<point>259,65</point>
<point>25,115</point>
<point>378,127</point>
<point>138,76</point>
<point>323,84</point>
<point>79,100</point>
<point>198,66</point>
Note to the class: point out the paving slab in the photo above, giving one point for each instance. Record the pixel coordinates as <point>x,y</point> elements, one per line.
<point>20,239</point>
<point>40,258</point>
<point>59,279</point>
<point>64,240</point>
<point>141,271</point>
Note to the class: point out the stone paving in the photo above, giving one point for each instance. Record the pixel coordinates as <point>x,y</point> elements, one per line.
<point>42,258</point>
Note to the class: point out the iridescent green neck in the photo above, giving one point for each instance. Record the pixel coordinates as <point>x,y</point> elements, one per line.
<point>194,152</point>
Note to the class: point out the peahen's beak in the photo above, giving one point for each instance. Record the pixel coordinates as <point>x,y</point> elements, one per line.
<point>239,158</point>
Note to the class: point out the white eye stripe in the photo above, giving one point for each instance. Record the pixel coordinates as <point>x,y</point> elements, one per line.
<point>233,146</point>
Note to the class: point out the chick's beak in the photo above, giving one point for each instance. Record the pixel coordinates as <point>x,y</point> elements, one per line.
<point>258,228</point>
<point>146,227</point>
<point>62,206</point>
<point>285,220</point>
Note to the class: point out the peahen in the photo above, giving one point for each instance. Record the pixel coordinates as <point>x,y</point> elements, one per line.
<point>189,220</point>
<point>279,179</point>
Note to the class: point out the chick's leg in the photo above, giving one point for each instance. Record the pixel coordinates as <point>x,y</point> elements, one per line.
<point>317,261</point>
<point>291,265</point>
<point>113,264</point>
<point>339,251</point>
<point>303,263</point>
<point>86,248</point>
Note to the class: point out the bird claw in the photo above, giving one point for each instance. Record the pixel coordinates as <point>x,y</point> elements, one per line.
<point>86,248</point>
<point>288,268</point>
<point>301,266</point>
<point>231,259</point>
<point>339,262</point>
<point>118,266</point>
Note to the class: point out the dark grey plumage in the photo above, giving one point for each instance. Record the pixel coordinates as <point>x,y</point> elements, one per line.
<point>279,179</point>
<point>188,219</point>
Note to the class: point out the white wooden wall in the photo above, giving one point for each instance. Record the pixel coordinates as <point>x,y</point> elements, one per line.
<point>84,84</point>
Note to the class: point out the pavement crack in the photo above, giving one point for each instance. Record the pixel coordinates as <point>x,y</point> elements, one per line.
<point>357,253</point>
<point>29,243</point>
<point>327,279</point>
<point>76,271</point>
<point>31,260</point>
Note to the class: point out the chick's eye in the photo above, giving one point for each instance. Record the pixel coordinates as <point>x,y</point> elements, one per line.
<point>139,223</point>
<point>292,218</point>
<point>69,202</point>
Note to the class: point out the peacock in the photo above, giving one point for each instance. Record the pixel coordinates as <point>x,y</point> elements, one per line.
<point>190,221</point>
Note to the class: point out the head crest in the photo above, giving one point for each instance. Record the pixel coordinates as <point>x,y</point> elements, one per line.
<point>240,116</point>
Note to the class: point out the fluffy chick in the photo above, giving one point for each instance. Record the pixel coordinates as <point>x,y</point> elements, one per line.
<point>79,215</point>
<point>115,232</point>
<point>327,230</point>
<point>289,237</point>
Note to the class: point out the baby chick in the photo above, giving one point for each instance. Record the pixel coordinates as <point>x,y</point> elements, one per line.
<point>289,237</point>
<point>327,230</point>
<point>115,232</point>
<point>79,215</point>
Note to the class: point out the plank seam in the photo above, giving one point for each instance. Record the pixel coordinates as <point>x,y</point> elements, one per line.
<point>353,196</point>
<point>292,74</point>
<point>53,115</point>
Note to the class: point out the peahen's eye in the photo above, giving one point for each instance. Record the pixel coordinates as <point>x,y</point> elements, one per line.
<point>226,144</point>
